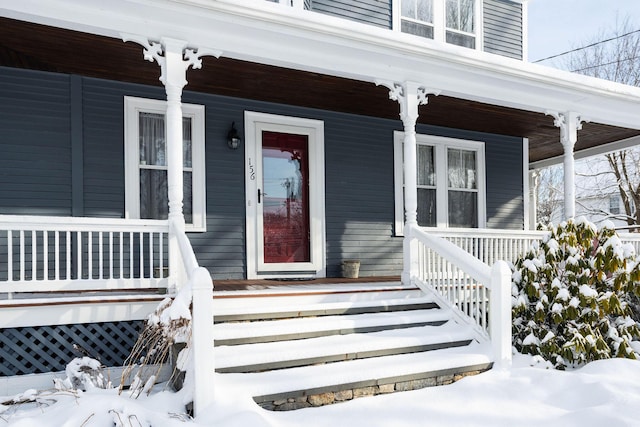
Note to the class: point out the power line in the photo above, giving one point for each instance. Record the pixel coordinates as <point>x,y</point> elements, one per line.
<point>586,47</point>
<point>605,64</point>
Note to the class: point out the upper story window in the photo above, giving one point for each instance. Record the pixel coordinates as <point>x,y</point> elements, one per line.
<point>452,21</point>
<point>146,191</point>
<point>460,23</point>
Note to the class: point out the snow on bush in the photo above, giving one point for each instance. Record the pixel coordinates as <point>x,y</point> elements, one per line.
<point>571,296</point>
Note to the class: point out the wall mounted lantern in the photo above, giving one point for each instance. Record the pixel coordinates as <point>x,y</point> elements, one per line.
<point>233,137</point>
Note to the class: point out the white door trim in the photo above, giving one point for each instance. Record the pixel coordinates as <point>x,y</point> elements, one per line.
<point>254,124</point>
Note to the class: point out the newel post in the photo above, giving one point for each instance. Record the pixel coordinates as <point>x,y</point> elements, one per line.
<point>410,95</point>
<point>500,315</point>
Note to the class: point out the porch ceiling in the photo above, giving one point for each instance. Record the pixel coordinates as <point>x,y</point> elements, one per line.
<point>38,47</point>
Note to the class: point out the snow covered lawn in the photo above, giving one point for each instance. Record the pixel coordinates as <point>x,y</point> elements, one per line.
<point>603,393</point>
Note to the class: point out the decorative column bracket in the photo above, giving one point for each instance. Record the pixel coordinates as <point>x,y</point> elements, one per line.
<point>167,48</point>
<point>410,95</point>
<point>569,123</point>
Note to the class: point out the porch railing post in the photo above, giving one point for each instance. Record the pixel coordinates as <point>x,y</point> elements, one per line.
<point>202,339</point>
<point>500,314</point>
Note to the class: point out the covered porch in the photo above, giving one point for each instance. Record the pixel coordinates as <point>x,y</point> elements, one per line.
<point>80,252</point>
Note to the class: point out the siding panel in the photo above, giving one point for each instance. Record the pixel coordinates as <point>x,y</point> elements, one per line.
<point>35,150</point>
<point>373,12</point>
<point>503,28</point>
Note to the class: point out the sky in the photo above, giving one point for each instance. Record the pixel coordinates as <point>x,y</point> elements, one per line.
<point>556,26</point>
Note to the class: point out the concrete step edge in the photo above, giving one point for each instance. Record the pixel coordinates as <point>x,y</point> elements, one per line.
<point>336,358</point>
<point>323,333</point>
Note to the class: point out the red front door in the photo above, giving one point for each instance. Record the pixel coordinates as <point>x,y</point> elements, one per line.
<point>285,197</point>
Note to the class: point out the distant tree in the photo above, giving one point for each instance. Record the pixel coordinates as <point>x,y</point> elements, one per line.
<point>615,55</point>
<point>549,194</point>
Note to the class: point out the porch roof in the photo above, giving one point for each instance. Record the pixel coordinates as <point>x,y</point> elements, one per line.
<point>273,53</point>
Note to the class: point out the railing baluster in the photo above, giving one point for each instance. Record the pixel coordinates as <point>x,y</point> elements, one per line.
<point>131,255</point>
<point>100,256</point>
<point>68,255</point>
<point>22,255</point>
<point>111,255</point>
<point>121,257</point>
<point>151,260</point>
<point>9,255</point>
<point>141,238</point>
<point>90,255</point>
<point>161,255</point>
<point>57,255</point>
<point>45,255</point>
<point>79,254</point>
<point>34,255</point>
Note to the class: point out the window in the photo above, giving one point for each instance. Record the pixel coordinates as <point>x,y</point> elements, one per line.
<point>417,17</point>
<point>146,192</point>
<point>614,204</point>
<point>460,23</point>
<point>451,21</point>
<point>450,181</point>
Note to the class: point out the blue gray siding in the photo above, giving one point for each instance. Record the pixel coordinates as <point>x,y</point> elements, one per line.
<point>358,155</point>
<point>35,143</point>
<point>503,28</point>
<point>373,12</point>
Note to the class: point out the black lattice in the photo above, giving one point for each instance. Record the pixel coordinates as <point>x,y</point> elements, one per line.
<point>40,349</point>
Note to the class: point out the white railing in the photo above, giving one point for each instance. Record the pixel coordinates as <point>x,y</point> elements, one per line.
<point>53,254</point>
<point>479,294</point>
<point>198,291</point>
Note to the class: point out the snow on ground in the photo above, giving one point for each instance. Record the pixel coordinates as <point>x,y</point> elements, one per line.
<point>603,393</point>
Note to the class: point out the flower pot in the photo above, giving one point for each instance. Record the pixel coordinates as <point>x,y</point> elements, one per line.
<point>350,268</point>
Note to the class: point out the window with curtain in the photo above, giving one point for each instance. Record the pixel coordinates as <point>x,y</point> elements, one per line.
<point>146,171</point>
<point>154,199</point>
<point>450,182</point>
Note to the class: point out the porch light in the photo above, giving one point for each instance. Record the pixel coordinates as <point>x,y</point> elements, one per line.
<point>233,138</point>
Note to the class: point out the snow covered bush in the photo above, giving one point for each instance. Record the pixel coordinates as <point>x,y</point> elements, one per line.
<point>571,296</point>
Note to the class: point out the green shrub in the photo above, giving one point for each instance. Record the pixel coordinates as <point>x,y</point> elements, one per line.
<point>571,296</point>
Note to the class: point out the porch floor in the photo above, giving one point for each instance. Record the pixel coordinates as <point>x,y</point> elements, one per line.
<point>221,286</point>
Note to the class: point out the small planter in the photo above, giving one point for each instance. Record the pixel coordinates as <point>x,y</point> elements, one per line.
<point>350,268</point>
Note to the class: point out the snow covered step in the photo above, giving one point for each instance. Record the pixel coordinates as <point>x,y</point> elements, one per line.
<point>317,385</point>
<point>338,348</point>
<point>237,333</point>
<point>293,300</point>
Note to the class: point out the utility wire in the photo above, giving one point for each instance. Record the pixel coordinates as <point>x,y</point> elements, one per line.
<point>605,64</point>
<point>586,47</point>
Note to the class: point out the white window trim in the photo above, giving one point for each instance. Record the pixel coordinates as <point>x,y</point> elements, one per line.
<point>439,22</point>
<point>132,107</point>
<point>440,145</point>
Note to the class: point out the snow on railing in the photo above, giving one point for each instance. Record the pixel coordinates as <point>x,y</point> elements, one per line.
<point>478,293</point>
<point>200,374</point>
<point>46,254</point>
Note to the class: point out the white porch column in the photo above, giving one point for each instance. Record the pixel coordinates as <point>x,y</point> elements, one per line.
<point>174,60</point>
<point>569,123</point>
<point>534,182</point>
<point>409,95</point>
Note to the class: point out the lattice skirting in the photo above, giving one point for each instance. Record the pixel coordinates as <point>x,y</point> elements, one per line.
<point>40,349</point>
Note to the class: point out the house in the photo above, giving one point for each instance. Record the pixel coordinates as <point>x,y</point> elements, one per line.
<point>274,138</point>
